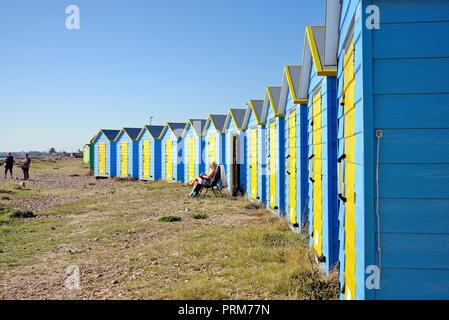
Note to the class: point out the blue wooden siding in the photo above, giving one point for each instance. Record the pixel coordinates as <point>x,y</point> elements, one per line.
<point>155,156</point>
<point>302,170</point>
<point>230,132</point>
<point>111,156</point>
<point>280,160</point>
<point>401,89</point>
<point>414,157</point>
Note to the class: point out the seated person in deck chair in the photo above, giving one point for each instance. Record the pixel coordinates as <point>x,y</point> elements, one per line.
<point>203,176</point>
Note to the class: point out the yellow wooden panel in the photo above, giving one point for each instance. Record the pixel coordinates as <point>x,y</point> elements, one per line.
<point>272,164</point>
<point>212,147</point>
<point>124,159</point>
<point>191,160</point>
<point>254,164</point>
<point>349,173</point>
<point>102,158</point>
<point>146,159</point>
<point>317,175</point>
<point>169,160</point>
<point>292,167</point>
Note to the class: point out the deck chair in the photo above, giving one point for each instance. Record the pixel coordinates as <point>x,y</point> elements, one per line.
<point>214,184</point>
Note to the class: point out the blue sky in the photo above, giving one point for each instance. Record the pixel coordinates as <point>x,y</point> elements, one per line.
<point>134,59</point>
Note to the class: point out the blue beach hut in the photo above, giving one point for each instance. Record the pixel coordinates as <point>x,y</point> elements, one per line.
<point>235,146</point>
<point>255,154</point>
<point>193,149</point>
<point>105,155</point>
<point>274,145</point>
<point>150,152</point>
<point>172,161</point>
<point>296,148</point>
<point>215,141</point>
<point>127,153</point>
<point>318,91</point>
<point>393,148</point>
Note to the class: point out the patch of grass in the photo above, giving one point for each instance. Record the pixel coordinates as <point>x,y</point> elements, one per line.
<point>199,216</point>
<point>4,210</point>
<point>21,214</point>
<point>5,198</point>
<point>170,219</point>
<point>278,239</point>
<point>312,284</point>
<point>3,191</point>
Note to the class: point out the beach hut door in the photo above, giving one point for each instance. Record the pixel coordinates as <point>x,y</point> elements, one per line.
<point>169,160</point>
<point>212,145</point>
<point>102,158</point>
<point>254,164</point>
<point>124,158</point>
<point>235,142</point>
<point>272,164</point>
<point>317,176</point>
<point>292,167</point>
<point>146,160</point>
<point>347,172</point>
<point>191,159</point>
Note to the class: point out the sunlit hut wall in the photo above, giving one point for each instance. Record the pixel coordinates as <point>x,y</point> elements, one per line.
<point>150,152</point>
<point>215,142</point>
<point>296,145</point>
<point>105,156</point>
<point>128,153</point>
<point>235,146</point>
<point>318,91</point>
<point>193,149</point>
<point>274,150</point>
<point>393,124</point>
<point>255,155</point>
<point>172,162</point>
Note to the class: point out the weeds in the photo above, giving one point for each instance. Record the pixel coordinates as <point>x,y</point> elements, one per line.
<point>309,282</point>
<point>21,214</point>
<point>170,219</point>
<point>279,239</point>
<point>12,214</point>
<point>199,216</point>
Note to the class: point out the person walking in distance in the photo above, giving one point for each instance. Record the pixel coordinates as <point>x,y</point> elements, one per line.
<point>9,164</point>
<point>26,167</point>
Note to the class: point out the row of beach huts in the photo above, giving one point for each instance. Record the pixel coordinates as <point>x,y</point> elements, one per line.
<point>353,147</point>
